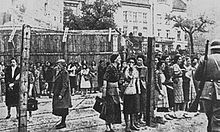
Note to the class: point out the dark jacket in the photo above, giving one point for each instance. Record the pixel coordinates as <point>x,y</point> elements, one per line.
<point>12,95</point>
<point>212,76</point>
<point>62,87</point>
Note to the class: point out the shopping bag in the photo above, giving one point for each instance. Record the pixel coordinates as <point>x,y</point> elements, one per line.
<point>32,104</point>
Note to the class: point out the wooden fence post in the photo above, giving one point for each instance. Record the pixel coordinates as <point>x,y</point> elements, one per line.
<point>25,55</point>
<point>64,44</point>
<point>151,83</point>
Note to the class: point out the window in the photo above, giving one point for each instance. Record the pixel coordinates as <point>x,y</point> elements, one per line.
<point>130,16</point>
<point>125,16</point>
<point>140,17</point>
<point>125,29</point>
<point>167,33</point>
<point>158,32</point>
<point>145,18</point>
<point>145,31</point>
<point>159,19</point>
<point>178,35</point>
<point>135,17</point>
<point>135,30</point>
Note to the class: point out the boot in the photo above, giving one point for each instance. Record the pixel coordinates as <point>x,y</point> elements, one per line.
<point>127,123</point>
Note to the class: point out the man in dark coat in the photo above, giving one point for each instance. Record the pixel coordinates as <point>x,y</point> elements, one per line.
<point>211,91</point>
<point>62,93</point>
<point>12,76</point>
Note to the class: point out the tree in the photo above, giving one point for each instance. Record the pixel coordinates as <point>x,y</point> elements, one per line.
<point>190,26</point>
<point>97,15</point>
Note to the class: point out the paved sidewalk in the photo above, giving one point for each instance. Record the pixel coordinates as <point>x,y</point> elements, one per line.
<point>82,118</point>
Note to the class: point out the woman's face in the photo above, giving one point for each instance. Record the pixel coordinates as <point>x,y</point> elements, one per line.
<point>162,66</point>
<point>140,61</point>
<point>131,63</point>
<point>188,62</point>
<point>156,61</point>
<point>167,60</point>
<point>179,61</point>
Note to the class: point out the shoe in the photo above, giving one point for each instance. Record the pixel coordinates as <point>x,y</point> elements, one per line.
<point>167,117</point>
<point>134,128</point>
<point>8,116</point>
<point>60,126</point>
<point>142,122</point>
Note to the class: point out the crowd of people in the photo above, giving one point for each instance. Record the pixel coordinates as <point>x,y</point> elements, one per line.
<point>125,82</point>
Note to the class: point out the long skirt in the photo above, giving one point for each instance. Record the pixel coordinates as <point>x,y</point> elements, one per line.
<point>163,100</point>
<point>131,104</point>
<point>113,110</point>
<point>60,111</point>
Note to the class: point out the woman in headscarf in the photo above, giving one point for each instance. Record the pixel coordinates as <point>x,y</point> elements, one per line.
<point>62,93</point>
<point>111,93</point>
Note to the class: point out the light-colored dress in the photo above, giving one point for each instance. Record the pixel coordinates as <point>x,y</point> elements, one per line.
<point>163,99</point>
<point>85,80</point>
<point>178,84</point>
<point>192,91</point>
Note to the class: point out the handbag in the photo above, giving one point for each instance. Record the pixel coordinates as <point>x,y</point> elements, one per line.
<point>32,104</point>
<point>99,103</point>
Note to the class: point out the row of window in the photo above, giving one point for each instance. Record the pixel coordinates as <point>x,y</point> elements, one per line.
<point>136,30</point>
<point>129,16</point>
<point>178,35</point>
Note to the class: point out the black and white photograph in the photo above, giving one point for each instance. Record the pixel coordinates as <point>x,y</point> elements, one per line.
<point>109,66</point>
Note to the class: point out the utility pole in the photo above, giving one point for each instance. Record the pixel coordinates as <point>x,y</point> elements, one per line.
<point>25,55</point>
<point>151,81</point>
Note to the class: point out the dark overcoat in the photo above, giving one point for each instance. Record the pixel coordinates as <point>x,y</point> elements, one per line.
<point>62,87</point>
<point>12,95</point>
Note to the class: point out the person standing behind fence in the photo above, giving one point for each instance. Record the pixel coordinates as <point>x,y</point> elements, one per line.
<point>131,105</point>
<point>143,75</point>
<point>101,72</point>
<point>110,92</point>
<point>61,93</point>
<point>85,83</point>
<point>12,76</point>
<point>48,76</point>
<point>36,73</point>
<point>178,83</point>
<point>94,77</point>
<point>72,68</point>
<point>32,92</point>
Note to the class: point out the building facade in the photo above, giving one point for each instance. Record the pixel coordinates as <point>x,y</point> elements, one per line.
<point>134,16</point>
<point>167,37</point>
<point>46,14</point>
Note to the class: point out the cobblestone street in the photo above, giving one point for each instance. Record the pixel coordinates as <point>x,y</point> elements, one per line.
<point>82,118</point>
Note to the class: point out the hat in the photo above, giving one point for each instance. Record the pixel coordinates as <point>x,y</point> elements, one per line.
<point>113,57</point>
<point>62,62</point>
<point>215,44</point>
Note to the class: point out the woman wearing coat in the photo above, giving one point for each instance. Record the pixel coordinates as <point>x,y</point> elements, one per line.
<point>62,93</point>
<point>12,76</point>
<point>111,93</point>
